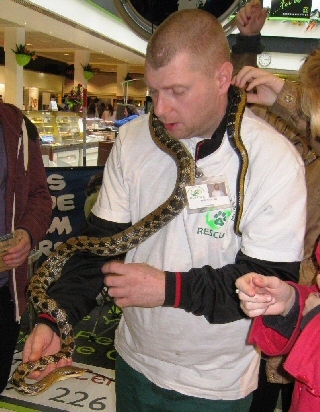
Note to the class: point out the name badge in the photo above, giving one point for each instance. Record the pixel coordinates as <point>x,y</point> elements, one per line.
<point>208,193</point>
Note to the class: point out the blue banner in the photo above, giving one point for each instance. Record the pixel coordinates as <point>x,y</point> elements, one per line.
<point>69,188</point>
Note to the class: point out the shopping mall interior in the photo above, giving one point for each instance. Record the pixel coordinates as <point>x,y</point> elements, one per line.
<point>65,35</point>
<point>111,37</point>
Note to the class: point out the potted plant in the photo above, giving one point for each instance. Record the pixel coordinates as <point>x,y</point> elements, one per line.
<point>88,71</point>
<point>23,55</point>
<point>74,100</point>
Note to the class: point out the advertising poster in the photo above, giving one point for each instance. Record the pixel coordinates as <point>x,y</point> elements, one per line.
<point>293,9</point>
<point>33,98</point>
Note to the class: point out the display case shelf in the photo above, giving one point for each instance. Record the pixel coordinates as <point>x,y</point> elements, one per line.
<point>66,147</point>
<point>44,122</point>
<point>69,127</point>
<point>64,127</point>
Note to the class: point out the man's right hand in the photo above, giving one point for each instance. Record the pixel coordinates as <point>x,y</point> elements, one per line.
<point>41,342</point>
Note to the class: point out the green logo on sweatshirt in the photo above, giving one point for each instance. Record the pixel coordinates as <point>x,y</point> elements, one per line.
<point>217,219</point>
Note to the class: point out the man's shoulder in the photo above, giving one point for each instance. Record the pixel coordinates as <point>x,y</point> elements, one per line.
<point>139,122</point>
<point>256,127</point>
<point>264,141</point>
<point>134,136</point>
<point>135,131</point>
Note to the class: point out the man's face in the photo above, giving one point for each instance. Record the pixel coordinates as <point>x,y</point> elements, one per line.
<point>188,102</point>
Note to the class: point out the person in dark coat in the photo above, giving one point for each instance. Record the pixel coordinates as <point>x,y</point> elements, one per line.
<point>25,212</point>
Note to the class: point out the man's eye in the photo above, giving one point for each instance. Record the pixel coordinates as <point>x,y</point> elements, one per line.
<point>178,92</point>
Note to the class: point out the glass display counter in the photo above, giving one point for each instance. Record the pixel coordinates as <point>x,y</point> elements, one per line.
<point>44,121</point>
<point>57,127</point>
<point>69,128</point>
<point>61,136</point>
<point>99,128</point>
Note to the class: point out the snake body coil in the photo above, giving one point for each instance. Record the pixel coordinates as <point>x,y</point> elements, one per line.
<point>120,243</point>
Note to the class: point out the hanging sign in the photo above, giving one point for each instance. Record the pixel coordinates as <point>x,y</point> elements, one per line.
<point>292,9</point>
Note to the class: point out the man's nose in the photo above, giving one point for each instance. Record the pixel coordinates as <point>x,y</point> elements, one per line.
<point>161,106</point>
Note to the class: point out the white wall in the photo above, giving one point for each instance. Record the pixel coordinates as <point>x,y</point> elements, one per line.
<point>284,61</point>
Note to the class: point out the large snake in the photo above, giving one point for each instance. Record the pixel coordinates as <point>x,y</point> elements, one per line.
<point>120,243</point>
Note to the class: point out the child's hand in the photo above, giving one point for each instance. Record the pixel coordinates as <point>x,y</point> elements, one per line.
<point>264,295</point>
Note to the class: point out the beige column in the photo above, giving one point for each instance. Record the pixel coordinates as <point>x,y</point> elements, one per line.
<point>81,58</point>
<point>13,72</point>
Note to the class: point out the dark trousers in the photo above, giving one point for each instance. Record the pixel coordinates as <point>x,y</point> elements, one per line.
<point>9,331</point>
<point>135,393</point>
<point>265,397</point>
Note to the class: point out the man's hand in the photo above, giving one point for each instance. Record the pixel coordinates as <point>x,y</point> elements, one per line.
<point>264,295</point>
<point>134,284</point>
<point>267,86</point>
<point>41,342</point>
<point>18,253</point>
<point>251,18</point>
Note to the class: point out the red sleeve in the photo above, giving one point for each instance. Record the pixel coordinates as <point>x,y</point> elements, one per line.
<point>303,361</point>
<point>272,342</point>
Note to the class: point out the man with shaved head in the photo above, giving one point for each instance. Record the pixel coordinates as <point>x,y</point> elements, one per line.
<point>181,341</point>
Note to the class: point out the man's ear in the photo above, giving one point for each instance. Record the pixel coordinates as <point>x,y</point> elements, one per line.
<point>224,77</point>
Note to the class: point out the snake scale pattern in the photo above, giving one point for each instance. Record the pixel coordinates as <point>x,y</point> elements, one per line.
<point>120,243</point>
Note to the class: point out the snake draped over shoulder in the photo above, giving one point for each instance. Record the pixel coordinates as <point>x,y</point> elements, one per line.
<point>114,245</point>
